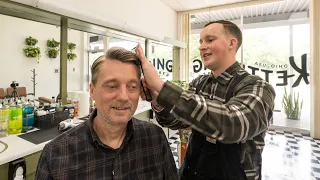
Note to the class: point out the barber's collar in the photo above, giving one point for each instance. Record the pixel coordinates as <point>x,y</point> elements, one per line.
<point>227,75</point>
<point>95,139</point>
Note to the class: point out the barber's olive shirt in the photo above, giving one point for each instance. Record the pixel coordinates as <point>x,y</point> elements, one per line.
<point>79,154</point>
<point>244,118</point>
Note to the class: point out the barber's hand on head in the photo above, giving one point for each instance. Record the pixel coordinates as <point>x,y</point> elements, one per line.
<point>154,82</point>
<point>153,93</point>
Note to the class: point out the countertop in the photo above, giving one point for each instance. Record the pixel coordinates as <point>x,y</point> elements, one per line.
<point>18,147</point>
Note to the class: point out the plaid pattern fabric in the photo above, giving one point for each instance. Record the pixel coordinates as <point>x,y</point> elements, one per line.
<point>79,154</point>
<point>243,119</point>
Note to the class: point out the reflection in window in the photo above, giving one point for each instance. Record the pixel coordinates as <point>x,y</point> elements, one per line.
<point>161,57</point>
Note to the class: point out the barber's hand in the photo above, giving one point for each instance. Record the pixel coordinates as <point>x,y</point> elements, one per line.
<point>153,93</point>
<point>154,82</point>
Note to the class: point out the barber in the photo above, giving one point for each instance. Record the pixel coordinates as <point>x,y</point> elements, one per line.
<point>228,110</point>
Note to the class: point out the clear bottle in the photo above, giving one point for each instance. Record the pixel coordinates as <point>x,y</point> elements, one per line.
<point>28,116</point>
<point>59,107</point>
<point>76,107</point>
<point>4,117</point>
<point>15,119</point>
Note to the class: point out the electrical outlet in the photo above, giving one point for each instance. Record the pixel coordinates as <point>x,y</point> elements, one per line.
<point>56,71</point>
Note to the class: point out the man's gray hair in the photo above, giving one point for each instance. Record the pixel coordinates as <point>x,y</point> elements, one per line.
<point>117,54</point>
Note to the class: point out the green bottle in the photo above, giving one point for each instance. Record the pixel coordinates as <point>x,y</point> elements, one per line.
<point>15,119</point>
<point>4,116</point>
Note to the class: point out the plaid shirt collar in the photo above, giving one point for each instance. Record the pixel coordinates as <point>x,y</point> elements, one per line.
<point>227,75</point>
<point>94,137</point>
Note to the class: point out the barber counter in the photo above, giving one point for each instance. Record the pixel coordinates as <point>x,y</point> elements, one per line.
<point>19,154</point>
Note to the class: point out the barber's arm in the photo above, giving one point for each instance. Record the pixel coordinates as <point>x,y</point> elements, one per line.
<point>245,115</point>
<point>163,115</point>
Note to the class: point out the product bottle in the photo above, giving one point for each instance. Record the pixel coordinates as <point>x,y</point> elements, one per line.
<point>4,116</point>
<point>76,107</point>
<point>15,119</point>
<point>28,116</point>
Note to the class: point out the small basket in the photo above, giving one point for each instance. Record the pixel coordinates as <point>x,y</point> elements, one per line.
<point>50,120</point>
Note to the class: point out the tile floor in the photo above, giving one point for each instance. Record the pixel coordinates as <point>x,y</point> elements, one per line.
<point>287,156</point>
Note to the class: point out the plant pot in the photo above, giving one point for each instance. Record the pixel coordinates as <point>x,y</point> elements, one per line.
<point>293,118</point>
<point>52,56</point>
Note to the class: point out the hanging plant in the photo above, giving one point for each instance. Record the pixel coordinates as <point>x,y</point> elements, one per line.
<point>52,53</point>
<point>31,41</point>
<point>71,56</point>
<point>52,43</point>
<point>71,46</point>
<point>33,52</point>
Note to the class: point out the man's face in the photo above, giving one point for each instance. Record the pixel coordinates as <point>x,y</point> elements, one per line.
<point>117,91</point>
<point>214,46</point>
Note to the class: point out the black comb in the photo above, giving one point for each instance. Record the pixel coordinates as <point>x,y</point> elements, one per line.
<point>147,91</point>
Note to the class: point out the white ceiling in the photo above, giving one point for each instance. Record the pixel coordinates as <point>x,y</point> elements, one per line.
<point>185,5</point>
<point>281,10</point>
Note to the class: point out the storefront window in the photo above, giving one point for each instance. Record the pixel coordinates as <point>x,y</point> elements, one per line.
<point>127,44</point>
<point>160,56</point>
<point>266,52</point>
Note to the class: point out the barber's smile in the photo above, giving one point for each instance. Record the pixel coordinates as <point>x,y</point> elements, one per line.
<point>206,56</point>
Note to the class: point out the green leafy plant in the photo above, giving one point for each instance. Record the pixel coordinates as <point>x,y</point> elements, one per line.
<point>30,41</point>
<point>71,56</point>
<point>52,50</point>
<point>71,46</point>
<point>33,52</point>
<point>52,53</point>
<point>183,84</point>
<point>292,105</point>
<point>52,43</point>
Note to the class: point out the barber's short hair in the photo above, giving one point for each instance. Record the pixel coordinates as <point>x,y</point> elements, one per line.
<point>230,28</point>
<point>116,54</point>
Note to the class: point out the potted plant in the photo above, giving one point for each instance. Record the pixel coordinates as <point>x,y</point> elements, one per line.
<point>30,41</point>
<point>33,52</point>
<point>52,43</point>
<point>71,46</point>
<point>292,105</point>
<point>52,53</point>
<point>71,56</point>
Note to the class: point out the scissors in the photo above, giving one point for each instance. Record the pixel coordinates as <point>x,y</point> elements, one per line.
<point>145,91</point>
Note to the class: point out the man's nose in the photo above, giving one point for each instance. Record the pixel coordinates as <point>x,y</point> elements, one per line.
<point>202,47</point>
<point>123,93</point>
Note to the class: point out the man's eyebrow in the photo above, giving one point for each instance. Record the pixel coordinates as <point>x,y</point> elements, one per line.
<point>109,81</point>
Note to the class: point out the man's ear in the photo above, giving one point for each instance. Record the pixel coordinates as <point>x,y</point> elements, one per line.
<point>233,43</point>
<point>92,91</point>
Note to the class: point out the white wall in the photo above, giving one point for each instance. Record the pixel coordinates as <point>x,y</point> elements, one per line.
<point>151,16</point>
<point>16,66</point>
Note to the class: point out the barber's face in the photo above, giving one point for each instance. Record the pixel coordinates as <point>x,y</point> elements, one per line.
<point>117,91</point>
<point>214,46</point>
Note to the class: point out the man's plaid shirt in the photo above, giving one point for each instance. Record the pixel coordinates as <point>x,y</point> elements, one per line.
<point>79,154</point>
